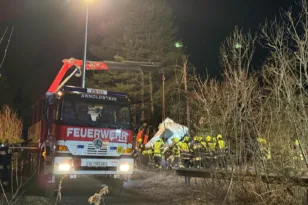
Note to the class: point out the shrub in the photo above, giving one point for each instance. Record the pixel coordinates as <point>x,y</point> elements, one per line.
<point>10,126</point>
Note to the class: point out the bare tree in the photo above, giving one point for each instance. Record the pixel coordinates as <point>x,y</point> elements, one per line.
<point>7,45</point>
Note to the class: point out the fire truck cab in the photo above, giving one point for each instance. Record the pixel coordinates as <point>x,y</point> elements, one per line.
<point>82,132</point>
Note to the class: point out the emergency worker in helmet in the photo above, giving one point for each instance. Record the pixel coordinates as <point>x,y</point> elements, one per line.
<point>185,152</point>
<point>176,151</point>
<point>157,147</point>
<point>221,150</point>
<point>197,149</point>
<point>209,151</point>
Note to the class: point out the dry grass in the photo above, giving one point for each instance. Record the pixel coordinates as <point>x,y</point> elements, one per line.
<point>170,189</point>
<point>34,200</point>
<point>10,126</point>
<point>98,198</point>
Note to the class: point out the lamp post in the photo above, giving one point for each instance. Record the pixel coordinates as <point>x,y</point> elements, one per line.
<point>85,47</point>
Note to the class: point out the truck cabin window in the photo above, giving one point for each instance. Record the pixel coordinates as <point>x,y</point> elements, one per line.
<point>83,112</point>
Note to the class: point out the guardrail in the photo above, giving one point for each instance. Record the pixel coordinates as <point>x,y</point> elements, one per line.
<point>243,175</point>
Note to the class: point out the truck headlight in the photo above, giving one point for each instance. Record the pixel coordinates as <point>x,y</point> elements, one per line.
<point>64,167</point>
<point>124,168</point>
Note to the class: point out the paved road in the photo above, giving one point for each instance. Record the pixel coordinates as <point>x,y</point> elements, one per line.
<point>78,193</point>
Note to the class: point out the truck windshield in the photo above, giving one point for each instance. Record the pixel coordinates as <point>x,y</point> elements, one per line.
<point>89,113</point>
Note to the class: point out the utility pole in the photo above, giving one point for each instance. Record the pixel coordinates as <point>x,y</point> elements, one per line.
<point>151,95</point>
<point>186,92</point>
<point>85,48</point>
<point>142,96</point>
<point>163,97</point>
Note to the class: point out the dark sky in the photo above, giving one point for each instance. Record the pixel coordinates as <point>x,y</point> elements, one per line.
<point>47,31</point>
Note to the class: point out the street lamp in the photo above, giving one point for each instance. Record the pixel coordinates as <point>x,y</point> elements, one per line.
<point>85,45</point>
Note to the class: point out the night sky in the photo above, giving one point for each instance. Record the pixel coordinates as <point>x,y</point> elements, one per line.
<point>47,31</point>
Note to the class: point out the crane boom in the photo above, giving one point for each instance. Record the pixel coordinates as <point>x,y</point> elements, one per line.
<point>68,63</point>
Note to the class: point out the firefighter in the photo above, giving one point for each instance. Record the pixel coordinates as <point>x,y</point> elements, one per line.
<point>185,154</point>
<point>298,153</point>
<point>221,143</point>
<point>158,145</point>
<point>138,153</point>
<point>139,144</point>
<point>197,149</point>
<point>185,145</point>
<point>203,142</point>
<point>212,144</point>
<point>211,154</point>
<point>176,151</point>
<point>264,148</point>
<point>140,133</point>
<point>221,151</point>
<point>208,154</point>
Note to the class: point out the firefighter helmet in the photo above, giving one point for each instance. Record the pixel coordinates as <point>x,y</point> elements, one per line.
<point>175,140</point>
<point>186,138</point>
<point>208,138</point>
<point>219,137</point>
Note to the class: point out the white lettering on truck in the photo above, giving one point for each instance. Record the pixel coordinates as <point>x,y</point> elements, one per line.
<point>117,135</point>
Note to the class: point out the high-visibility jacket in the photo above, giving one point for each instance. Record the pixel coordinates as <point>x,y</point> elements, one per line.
<point>204,144</point>
<point>212,145</point>
<point>197,147</point>
<point>221,144</point>
<point>147,152</point>
<point>298,154</point>
<point>157,148</point>
<point>184,147</point>
<point>176,150</point>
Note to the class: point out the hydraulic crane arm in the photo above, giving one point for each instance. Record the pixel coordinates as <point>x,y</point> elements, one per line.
<point>67,64</point>
<point>95,65</point>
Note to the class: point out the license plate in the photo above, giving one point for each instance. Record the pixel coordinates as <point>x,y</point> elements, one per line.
<point>96,164</point>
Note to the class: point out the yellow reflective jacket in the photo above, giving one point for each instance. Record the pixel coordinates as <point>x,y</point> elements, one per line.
<point>197,146</point>
<point>184,147</point>
<point>221,144</point>
<point>157,148</point>
<point>212,146</point>
<point>204,144</point>
<point>176,150</point>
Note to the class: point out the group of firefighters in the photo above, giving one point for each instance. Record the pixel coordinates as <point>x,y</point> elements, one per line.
<point>197,151</point>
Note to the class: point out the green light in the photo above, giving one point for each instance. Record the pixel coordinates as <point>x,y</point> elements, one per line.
<point>178,45</point>
<point>238,45</point>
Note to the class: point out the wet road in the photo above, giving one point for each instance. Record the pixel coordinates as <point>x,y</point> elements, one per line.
<point>78,193</point>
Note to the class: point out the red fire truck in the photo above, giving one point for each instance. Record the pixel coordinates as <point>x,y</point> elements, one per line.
<point>82,131</point>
